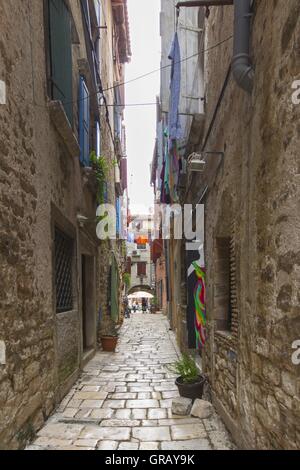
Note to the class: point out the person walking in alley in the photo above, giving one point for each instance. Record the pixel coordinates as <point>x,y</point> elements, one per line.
<point>126,308</point>
<point>144,305</point>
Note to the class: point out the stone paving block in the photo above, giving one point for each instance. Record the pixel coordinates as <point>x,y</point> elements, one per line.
<point>139,414</point>
<point>136,390</point>
<point>150,422</point>
<point>83,413</point>
<point>170,394</point>
<point>128,446</point>
<point>157,413</point>
<point>165,403</point>
<point>61,431</point>
<point>52,442</point>
<point>106,433</point>
<point>122,414</point>
<point>102,413</point>
<point>166,387</point>
<point>110,369</point>
<point>115,404</point>
<point>90,395</point>
<point>91,388</point>
<point>134,378</point>
<point>110,388</point>
<point>124,396</point>
<point>149,446</point>
<point>74,403</point>
<point>144,396</point>
<point>182,432</point>
<point>70,412</point>
<point>194,444</point>
<point>91,404</point>
<point>152,434</point>
<point>91,443</point>
<point>175,422</point>
<point>140,388</point>
<point>120,423</point>
<point>142,404</point>
<point>108,445</point>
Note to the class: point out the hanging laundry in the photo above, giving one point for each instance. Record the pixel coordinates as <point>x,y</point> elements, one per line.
<point>174,121</point>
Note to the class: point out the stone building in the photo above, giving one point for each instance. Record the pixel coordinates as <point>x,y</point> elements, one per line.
<point>139,253</point>
<point>50,122</point>
<point>248,140</point>
<point>115,53</point>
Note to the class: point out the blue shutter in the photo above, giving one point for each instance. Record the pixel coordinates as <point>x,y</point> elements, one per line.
<point>118,214</point>
<point>98,11</point>
<point>84,123</point>
<point>98,139</point>
<point>61,55</point>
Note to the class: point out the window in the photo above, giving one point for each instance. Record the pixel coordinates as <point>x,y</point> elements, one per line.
<point>141,246</point>
<point>64,247</point>
<point>142,269</point>
<point>98,139</point>
<point>223,289</point>
<point>118,216</point>
<point>97,41</point>
<point>98,11</point>
<point>84,123</point>
<point>60,55</point>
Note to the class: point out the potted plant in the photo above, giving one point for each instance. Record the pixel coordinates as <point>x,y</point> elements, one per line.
<point>190,382</point>
<point>109,337</point>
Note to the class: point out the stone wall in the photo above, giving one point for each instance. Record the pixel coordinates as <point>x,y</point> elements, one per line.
<point>37,174</point>
<point>255,187</point>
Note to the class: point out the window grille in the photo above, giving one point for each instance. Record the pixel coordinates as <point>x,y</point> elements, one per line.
<point>64,247</point>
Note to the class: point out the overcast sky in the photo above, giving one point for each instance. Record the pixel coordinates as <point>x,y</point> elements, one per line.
<point>141,121</point>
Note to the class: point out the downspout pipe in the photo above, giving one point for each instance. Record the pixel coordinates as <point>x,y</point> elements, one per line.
<point>242,68</point>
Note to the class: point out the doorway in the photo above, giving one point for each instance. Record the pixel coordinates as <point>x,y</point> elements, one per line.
<point>88,303</point>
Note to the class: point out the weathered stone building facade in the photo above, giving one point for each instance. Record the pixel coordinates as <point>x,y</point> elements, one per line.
<point>50,290</point>
<point>252,230</point>
<point>250,189</point>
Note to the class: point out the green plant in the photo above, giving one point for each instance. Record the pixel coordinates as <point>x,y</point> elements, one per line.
<point>109,329</point>
<point>127,279</point>
<point>186,368</point>
<point>102,166</point>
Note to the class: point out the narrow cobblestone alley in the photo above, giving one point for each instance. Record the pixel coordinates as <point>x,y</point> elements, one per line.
<point>123,400</point>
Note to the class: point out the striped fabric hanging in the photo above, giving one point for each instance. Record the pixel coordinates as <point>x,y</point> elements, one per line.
<point>200,311</point>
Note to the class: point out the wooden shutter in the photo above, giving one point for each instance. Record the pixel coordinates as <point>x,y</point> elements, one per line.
<point>142,269</point>
<point>61,55</point>
<point>84,123</point>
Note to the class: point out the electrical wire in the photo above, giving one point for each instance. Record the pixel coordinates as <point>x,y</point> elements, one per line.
<point>129,105</point>
<point>169,65</point>
<point>203,51</point>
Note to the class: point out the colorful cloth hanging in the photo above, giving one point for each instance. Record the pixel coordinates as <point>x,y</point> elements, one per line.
<point>200,310</point>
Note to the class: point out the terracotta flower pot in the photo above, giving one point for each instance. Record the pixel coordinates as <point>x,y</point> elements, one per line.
<point>191,390</point>
<point>109,343</point>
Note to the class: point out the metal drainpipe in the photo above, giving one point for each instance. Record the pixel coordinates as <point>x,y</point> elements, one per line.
<point>242,69</point>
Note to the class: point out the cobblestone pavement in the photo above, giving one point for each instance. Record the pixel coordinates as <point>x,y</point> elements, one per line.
<point>123,400</point>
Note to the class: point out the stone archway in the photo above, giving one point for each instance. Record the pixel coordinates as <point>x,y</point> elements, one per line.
<point>141,288</point>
